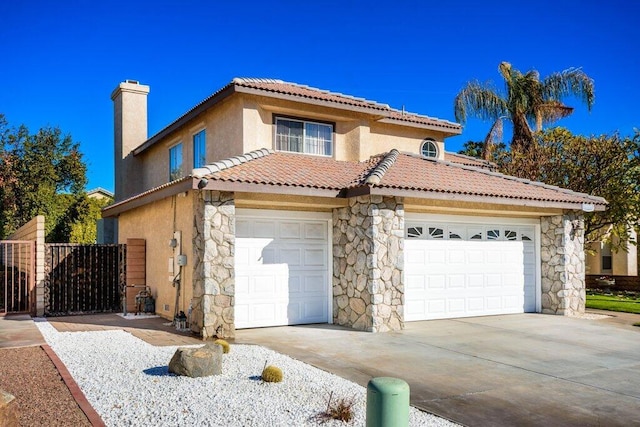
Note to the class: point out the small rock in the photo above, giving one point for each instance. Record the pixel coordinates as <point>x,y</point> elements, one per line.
<point>8,410</point>
<point>197,362</point>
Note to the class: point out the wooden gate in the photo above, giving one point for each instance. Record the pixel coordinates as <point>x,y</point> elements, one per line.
<point>16,276</point>
<point>83,278</point>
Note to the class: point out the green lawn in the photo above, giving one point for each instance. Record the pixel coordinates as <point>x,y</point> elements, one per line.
<point>614,303</point>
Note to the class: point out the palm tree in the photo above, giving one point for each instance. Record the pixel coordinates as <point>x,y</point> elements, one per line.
<point>527,101</point>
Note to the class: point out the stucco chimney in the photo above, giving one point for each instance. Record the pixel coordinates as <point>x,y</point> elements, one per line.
<point>129,130</point>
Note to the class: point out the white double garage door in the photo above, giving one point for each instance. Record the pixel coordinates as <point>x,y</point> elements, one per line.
<point>454,267</point>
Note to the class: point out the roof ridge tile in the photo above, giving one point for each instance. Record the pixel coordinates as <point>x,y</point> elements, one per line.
<point>377,173</point>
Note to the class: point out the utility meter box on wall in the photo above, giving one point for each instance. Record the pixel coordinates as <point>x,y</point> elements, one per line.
<point>182,260</point>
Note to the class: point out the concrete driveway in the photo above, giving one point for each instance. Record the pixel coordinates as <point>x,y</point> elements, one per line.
<point>526,369</point>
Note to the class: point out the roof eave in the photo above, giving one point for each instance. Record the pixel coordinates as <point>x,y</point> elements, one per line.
<point>251,187</point>
<point>444,128</point>
<point>421,194</point>
<point>376,110</point>
<point>147,197</point>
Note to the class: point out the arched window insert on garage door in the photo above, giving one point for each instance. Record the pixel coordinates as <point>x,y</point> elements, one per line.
<point>467,232</point>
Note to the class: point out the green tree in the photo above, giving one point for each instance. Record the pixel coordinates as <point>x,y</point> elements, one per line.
<point>36,170</point>
<point>478,149</point>
<point>84,228</point>
<point>604,165</point>
<point>526,101</point>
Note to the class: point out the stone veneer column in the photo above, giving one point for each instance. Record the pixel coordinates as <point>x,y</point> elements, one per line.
<point>562,256</point>
<point>214,275</point>
<point>368,261</point>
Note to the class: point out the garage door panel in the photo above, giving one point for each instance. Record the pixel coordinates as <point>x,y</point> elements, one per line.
<point>290,230</point>
<point>242,256</point>
<point>436,282</point>
<point>437,306</point>
<point>493,280</point>
<point>291,257</point>
<point>456,305</point>
<point>475,304</point>
<point>414,282</point>
<point>315,257</point>
<point>415,256</point>
<point>475,281</point>
<point>315,285</point>
<point>482,276</point>
<point>456,281</point>
<point>436,256</point>
<point>266,255</point>
<point>475,256</point>
<point>264,229</point>
<point>315,231</point>
<point>282,276</point>
<point>456,256</point>
<point>415,308</point>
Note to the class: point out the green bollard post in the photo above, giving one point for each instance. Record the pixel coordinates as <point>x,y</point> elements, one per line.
<point>387,402</point>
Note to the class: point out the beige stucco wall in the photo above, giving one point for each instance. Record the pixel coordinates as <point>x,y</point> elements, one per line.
<point>593,260</point>
<point>223,127</point>
<point>624,263</point>
<point>130,130</point>
<point>404,139</point>
<point>244,122</point>
<point>154,223</point>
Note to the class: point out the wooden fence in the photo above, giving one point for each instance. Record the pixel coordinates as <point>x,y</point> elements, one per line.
<point>83,278</point>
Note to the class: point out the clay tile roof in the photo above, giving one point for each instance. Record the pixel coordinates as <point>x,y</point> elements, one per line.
<point>392,170</point>
<point>303,91</point>
<point>428,175</point>
<point>469,161</point>
<point>300,92</point>
<point>394,173</point>
<point>294,170</point>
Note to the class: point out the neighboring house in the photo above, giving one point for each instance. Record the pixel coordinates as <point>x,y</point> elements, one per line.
<point>100,194</point>
<point>297,205</point>
<point>601,260</point>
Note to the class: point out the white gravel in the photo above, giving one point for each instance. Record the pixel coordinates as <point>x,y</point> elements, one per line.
<point>127,381</point>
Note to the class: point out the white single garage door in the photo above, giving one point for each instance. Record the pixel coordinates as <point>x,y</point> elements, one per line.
<point>282,268</point>
<point>468,269</point>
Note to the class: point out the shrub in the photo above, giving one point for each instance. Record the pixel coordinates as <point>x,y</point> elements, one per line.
<point>341,409</point>
<point>272,374</point>
<point>224,344</point>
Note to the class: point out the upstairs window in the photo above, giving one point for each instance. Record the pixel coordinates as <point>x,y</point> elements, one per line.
<point>429,148</point>
<point>199,149</point>
<point>175,162</point>
<point>301,136</point>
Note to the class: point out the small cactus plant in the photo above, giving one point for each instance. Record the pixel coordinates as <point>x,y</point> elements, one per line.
<point>272,374</point>
<point>224,344</point>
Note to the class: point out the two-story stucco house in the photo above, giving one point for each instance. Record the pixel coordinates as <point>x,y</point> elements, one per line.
<point>298,205</point>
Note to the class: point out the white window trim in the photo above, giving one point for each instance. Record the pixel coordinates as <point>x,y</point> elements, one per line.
<point>303,121</point>
<point>179,143</point>
<point>193,134</point>
<point>435,146</point>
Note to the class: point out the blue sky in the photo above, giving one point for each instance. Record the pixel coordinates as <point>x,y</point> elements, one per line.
<point>62,59</point>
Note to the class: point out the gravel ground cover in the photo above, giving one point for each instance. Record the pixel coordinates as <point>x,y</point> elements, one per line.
<point>43,398</point>
<point>127,381</point>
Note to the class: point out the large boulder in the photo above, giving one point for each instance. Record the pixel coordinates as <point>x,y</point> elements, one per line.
<point>197,362</point>
<point>8,410</point>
